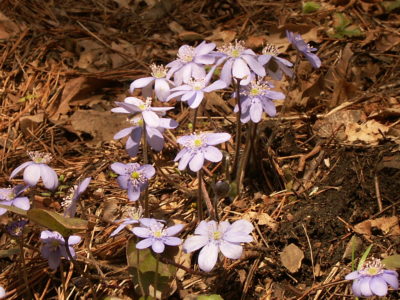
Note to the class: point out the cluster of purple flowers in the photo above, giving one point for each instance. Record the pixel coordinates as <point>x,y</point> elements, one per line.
<point>188,79</point>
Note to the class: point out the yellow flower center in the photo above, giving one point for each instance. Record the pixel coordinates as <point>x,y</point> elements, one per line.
<point>373,271</point>
<point>135,175</point>
<point>217,235</point>
<point>158,234</point>
<point>198,142</point>
<point>254,91</point>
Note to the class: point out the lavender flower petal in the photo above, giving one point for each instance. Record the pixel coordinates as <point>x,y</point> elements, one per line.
<point>230,250</point>
<point>208,257</point>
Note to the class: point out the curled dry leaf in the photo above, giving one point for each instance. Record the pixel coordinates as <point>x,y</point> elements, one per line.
<point>388,225</point>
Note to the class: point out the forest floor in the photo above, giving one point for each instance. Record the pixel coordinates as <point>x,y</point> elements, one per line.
<point>322,186</point>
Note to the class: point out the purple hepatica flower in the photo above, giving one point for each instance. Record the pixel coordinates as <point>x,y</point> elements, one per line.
<point>38,168</point>
<point>256,98</point>
<point>372,279</point>
<point>156,235</point>
<point>2,292</point>
<point>132,105</point>
<point>197,147</point>
<point>71,201</point>
<point>53,247</point>
<point>161,84</point>
<point>154,137</point>
<point>297,41</point>
<point>193,91</point>
<point>133,177</point>
<point>213,237</point>
<point>274,66</point>
<point>239,63</point>
<point>134,216</point>
<point>10,196</point>
<point>191,62</point>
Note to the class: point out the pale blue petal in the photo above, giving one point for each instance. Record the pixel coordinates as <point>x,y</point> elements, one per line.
<point>204,48</point>
<point>173,230</point>
<point>186,157</point>
<point>188,95</point>
<point>353,275</point>
<point>133,192</point>
<point>255,66</point>
<point>142,232</point>
<point>194,102</point>
<point>391,279</point>
<point>32,174</point>
<point>217,138</point>
<point>21,202</point>
<point>162,89</point>
<point>204,226</point>
<point>123,133</point>
<point>119,168</point>
<point>147,170</point>
<point>151,118</point>
<point>197,162</point>
<point>256,111</point>
<point>197,71</point>
<point>172,241</point>
<point>208,257</point>
<point>140,83</point>
<point>240,69</point>
<point>21,167</point>
<point>356,288</point>
<point>217,85</point>
<point>365,286</point>
<point>378,286</point>
<point>155,139</point>
<point>229,250</point>
<point>269,108</point>
<point>146,243</point>
<point>241,226</point>
<point>49,177</point>
<point>226,72</point>
<point>74,239</point>
<point>158,246</point>
<point>212,154</point>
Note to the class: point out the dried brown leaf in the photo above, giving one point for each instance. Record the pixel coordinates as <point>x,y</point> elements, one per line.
<point>291,257</point>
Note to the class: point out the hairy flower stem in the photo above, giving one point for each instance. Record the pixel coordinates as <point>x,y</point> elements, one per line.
<point>238,128</point>
<point>195,119</point>
<point>23,270</point>
<point>199,196</point>
<point>138,273</point>
<point>244,158</point>
<point>146,161</point>
<point>64,290</point>
<point>78,267</point>
<point>156,277</point>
